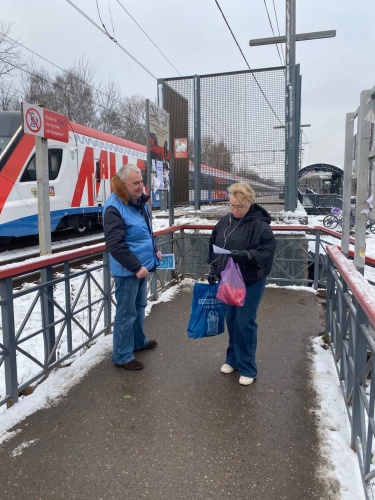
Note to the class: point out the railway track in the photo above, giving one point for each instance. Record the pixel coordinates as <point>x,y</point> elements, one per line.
<point>21,249</point>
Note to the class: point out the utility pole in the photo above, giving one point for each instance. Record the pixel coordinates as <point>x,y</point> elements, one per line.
<point>292,94</point>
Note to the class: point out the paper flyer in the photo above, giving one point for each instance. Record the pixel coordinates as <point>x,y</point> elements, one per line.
<point>219,249</point>
<point>167,262</point>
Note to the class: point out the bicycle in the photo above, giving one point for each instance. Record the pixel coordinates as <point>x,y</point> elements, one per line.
<point>331,221</point>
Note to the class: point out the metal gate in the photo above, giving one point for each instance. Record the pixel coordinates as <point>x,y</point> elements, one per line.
<point>235,126</point>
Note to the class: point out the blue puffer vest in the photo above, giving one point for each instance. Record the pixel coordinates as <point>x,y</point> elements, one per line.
<point>138,237</point>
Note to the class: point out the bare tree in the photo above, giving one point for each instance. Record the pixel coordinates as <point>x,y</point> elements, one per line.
<point>38,87</point>
<point>10,54</point>
<point>70,93</point>
<point>74,93</point>
<point>10,62</point>
<point>215,154</point>
<point>9,98</point>
<point>133,113</point>
<point>109,105</point>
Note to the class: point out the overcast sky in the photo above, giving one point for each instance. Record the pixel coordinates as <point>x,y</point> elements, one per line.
<point>193,36</point>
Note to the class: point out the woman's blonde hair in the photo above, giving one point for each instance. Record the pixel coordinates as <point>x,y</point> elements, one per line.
<point>243,192</point>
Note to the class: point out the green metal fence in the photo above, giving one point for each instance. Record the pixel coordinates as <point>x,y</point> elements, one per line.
<point>234,123</point>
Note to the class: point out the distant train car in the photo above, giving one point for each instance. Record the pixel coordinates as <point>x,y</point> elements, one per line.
<point>79,178</point>
<point>215,183</point>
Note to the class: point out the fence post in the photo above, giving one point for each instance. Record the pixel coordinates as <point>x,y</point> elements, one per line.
<point>46,303</point>
<point>360,361</point>
<point>183,251</point>
<point>107,293</point>
<point>316,260</point>
<point>9,339</point>
<point>68,309</point>
<point>197,142</point>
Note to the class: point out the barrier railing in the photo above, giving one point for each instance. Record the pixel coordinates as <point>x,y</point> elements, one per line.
<point>350,322</point>
<point>46,323</point>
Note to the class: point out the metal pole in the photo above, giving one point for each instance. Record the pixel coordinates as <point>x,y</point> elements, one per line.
<point>42,179</point>
<point>297,133</point>
<point>290,200</point>
<point>197,143</point>
<point>363,136</point>
<point>148,161</point>
<point>171,179</point>
<point>347,188</point>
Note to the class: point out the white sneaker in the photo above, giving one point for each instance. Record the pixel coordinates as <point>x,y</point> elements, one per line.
<point>226,368</point>
<point>246,380</point>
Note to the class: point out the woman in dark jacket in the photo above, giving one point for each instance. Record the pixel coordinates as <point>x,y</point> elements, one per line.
<point>247,234</point>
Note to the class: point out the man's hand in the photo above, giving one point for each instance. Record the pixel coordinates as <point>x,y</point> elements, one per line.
<point>159,255</point>
<point>142,273</point>
<point>241,255</point>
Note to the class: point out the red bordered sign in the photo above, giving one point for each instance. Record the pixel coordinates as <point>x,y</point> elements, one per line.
<point>44,123</point>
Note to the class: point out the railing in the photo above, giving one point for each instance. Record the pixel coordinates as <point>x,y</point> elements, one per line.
<point>72,304</point>
<point>350,322</point>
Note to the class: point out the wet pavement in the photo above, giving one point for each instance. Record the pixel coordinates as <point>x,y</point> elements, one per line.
<point>180,429</point>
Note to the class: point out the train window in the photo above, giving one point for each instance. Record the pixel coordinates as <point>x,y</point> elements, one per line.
<point>54,164</point>
<point>97,171</point>
<point>29,173</point>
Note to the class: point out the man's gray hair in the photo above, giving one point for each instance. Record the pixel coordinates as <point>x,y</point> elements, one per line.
<point>125,170</point>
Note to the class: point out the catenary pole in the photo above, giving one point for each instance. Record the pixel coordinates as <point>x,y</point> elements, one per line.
<point>291,95</point>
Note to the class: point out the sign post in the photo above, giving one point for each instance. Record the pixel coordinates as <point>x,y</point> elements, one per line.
<point>42,185</point>
<point>44,124</point>
<point>159,178</point>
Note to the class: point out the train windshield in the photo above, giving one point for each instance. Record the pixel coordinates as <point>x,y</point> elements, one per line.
<point>9,124</point>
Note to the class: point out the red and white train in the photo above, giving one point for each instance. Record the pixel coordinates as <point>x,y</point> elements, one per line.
<point>79,176</point>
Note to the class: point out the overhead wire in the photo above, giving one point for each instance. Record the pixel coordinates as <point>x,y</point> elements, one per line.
<point>111,38</point>
<point>110,14</point>
<point>104,27</point>
<point>166,58</point>
<point>277,22</point>
<point>247,64</point>
<point>269,20</point>
<point>56,66</point>
<point>56,85</point>
<point>278,28</point>
<point>153,43</point>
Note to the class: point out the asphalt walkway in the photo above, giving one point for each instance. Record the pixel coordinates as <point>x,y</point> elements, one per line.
<point>179,429</point>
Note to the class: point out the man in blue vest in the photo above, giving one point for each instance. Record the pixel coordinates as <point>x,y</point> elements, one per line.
<point>130,242</point>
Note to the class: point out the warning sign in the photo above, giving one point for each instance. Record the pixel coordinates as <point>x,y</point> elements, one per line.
<point>44,123</point>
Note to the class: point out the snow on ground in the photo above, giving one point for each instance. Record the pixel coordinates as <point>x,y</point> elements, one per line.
<point>334,424</point>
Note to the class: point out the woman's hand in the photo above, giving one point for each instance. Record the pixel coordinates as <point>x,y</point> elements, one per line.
<point>241,255</point>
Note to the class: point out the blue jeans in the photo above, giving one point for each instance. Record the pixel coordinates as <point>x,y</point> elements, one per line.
<point>242,329</point>
<point>128,335</point>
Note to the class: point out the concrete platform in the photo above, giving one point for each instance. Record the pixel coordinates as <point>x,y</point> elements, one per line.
<point>179,429</point>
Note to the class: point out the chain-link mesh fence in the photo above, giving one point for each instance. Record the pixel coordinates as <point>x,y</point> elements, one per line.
<point>242,133</point>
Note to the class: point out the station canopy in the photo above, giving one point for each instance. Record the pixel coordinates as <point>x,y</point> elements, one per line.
<point>318,168</point>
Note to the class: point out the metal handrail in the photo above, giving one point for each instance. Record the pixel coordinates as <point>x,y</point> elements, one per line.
<point>88,307</point>
<point>350,324</point>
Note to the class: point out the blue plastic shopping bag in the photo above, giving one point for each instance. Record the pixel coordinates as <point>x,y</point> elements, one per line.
<point>207,312</point>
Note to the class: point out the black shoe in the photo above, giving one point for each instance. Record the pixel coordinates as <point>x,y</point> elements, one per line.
<point>151,345</point>
<point>134,364</point>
